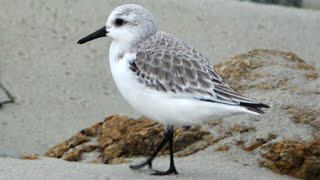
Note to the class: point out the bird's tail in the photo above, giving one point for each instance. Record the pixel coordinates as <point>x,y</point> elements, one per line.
<point>254,107</point>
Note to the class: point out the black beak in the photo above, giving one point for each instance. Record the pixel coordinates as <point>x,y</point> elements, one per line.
<point>98,34</point>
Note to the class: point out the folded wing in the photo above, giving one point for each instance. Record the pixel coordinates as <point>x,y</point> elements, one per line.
<point>167,64</point>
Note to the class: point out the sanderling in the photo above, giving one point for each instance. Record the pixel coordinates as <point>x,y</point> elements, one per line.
<point>165,78</point>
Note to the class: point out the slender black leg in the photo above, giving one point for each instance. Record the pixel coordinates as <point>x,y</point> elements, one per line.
<point>172,168</point>
<point>11,99</point>
<point>149,160</point>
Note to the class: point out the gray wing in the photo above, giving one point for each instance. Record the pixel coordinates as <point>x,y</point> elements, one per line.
<point>167,64</point>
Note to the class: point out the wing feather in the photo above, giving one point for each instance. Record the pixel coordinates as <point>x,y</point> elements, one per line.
<point>167,64</point>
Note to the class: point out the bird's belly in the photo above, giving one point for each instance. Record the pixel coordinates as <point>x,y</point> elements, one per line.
<point>164,107</point>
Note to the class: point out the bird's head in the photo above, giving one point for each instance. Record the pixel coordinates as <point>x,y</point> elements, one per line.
<point>126,24</point>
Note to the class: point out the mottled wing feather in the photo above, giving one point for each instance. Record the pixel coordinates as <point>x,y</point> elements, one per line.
<point>167,64</point>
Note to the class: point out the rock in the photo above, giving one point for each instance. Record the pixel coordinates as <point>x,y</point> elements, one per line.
<point>30,157</point>
<point>120,137</point>
<point>222,148</point>
<point>286,137</point>
<point>254,70</point>
<point>257,142</point>
<point>286,73</point>
<point>296,158</point>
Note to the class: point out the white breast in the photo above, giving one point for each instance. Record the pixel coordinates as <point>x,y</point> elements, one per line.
<point>136,94</point>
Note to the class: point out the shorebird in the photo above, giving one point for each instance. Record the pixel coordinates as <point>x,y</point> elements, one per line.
<point>165,78</point>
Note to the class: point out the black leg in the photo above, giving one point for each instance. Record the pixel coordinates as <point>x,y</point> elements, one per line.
<point>11,99</point>
<point>172,168</point>
<point>149,160</point>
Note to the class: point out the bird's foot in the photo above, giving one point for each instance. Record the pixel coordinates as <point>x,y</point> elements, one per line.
<point>171,170</point>
<point>148,162</point>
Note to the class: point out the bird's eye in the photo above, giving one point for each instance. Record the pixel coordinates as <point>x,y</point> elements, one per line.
<point>119,22</point>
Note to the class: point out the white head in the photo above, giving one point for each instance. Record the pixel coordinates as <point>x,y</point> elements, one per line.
<point>126,24</point>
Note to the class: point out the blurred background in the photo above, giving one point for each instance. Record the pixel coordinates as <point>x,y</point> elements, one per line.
<point>61,87</point>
